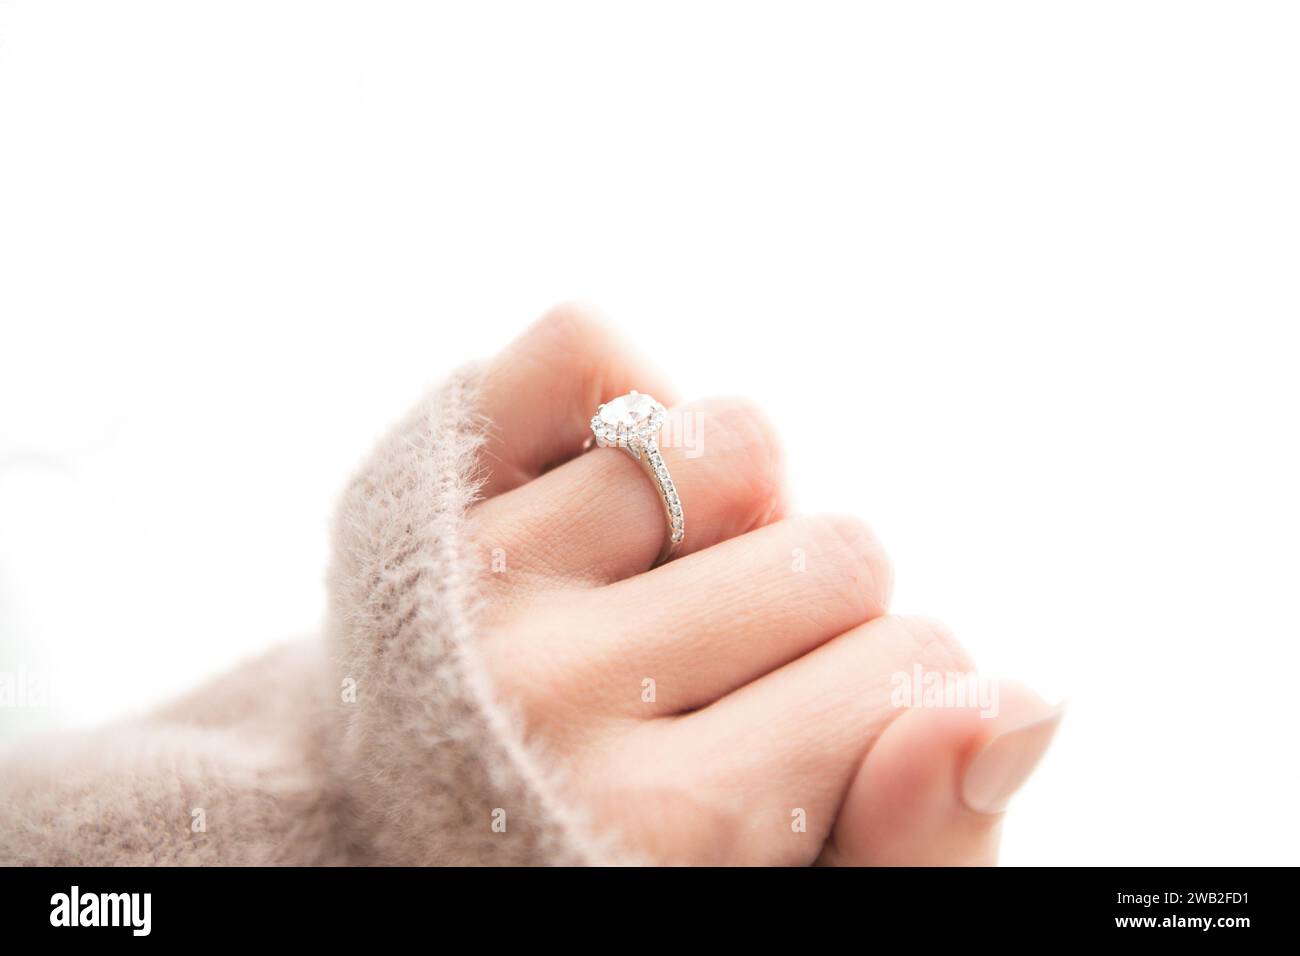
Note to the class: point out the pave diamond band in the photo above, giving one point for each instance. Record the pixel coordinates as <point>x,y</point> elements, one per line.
<point>632,422</point>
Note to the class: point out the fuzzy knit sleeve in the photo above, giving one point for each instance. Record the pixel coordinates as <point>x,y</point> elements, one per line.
<point>380,743</point>
<point>437,770</point>
<point>233,772</point>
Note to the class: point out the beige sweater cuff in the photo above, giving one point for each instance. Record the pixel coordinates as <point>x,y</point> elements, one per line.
<point>438,771</point>
<point>385,745</point>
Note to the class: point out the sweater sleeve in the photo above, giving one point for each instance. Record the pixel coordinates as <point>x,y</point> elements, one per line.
<point>381,744</point>
<point>232,773</point>
<point>437,770</point>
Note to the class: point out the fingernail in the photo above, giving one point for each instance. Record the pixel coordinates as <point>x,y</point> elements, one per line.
<point>1006,762</point>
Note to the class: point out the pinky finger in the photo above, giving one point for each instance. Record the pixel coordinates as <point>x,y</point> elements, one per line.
<point>933,788</point>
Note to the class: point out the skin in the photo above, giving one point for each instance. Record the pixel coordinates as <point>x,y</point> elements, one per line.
<point>772,688</point>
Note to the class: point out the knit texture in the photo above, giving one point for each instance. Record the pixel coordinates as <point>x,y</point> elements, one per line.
<point>383,744</point>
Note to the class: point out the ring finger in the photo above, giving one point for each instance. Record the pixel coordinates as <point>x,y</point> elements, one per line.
<point>599,518</point>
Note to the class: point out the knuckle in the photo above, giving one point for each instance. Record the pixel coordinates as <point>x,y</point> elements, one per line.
<point>757,460</point>
<point>573,327</point>
<point>862,568</point>
<point>933,645</point>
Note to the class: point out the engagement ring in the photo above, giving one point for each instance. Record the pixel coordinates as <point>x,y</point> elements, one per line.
<point>632,422</point>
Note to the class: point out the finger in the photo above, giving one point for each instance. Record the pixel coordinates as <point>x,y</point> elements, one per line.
<point>599,519</point>
<point>711,622</point>
<point>540,391</point>
<point>799,733</point>
<point>932,789</point>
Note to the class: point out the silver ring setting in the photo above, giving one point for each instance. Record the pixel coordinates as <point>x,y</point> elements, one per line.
<point>632,422</point>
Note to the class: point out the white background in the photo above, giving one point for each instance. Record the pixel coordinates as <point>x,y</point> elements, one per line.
<point>1019,282</point>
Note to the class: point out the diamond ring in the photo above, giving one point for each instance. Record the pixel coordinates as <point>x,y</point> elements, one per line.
<point>632,422</point>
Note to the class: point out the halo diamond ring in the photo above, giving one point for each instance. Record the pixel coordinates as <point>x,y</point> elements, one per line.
<point>632,422</point>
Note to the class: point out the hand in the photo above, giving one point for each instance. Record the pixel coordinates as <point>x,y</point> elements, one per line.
<point>707,708</point>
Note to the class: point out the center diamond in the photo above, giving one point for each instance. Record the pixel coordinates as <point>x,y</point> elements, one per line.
<point>629,411</point>
<point>630,421</point>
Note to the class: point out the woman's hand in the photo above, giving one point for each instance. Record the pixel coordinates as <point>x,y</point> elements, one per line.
<point>737,704</point>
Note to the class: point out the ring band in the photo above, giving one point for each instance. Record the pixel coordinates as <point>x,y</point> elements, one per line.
<point>632,422</point>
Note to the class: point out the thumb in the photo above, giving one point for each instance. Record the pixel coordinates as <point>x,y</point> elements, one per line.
<point>933,787</point>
